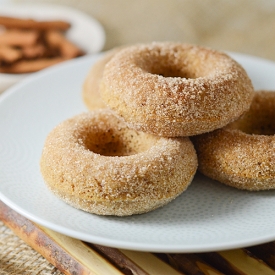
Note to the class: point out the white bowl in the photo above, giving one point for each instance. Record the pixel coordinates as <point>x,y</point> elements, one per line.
<point>85,31</point>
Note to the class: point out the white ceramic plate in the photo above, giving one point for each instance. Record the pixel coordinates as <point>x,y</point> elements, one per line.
<point>208,216</point>
<point>85,31</point>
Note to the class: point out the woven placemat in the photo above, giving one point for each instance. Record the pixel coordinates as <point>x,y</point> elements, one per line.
<point>16,257</point>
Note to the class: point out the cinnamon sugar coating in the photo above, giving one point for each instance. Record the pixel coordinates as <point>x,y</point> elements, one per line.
<point>95,163</point>
<point>175,89</point>
<point>242,154</point>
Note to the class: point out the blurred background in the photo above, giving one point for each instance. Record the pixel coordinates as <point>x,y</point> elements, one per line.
<point>242,26</point>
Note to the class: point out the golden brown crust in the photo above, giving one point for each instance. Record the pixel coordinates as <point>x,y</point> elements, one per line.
<point>175,89</point>
<point>95,163</point>
<point>242,154</point>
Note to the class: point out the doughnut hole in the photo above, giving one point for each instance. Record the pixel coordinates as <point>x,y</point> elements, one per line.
<point>178,63</point>
<point>259,120</point>
<point>115,141</point>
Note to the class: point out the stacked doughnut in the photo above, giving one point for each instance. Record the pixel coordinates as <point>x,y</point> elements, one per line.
<point>132,152</point>
<point>242,154</point>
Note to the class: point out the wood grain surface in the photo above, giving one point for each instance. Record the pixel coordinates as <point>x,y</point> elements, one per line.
<point>75,257</point>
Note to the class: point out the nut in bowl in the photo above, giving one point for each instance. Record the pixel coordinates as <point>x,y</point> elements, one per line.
<point>33,37</point>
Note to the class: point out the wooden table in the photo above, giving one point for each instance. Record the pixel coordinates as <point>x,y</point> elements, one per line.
<point>72,256</point>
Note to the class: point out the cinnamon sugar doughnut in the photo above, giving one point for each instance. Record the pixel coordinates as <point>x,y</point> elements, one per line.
<point>242,154</point>
<point>95,163</point>
<point>174,89</point>
<point>90,89</point>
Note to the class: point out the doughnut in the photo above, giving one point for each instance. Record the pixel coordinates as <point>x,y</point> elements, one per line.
<point>175,89</point>
<point>242,154</point>
<point>95,163</point>
<point>90,89</point>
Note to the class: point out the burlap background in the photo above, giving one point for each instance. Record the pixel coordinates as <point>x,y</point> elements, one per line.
<point>242,26</point>
<point>17,258</point>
